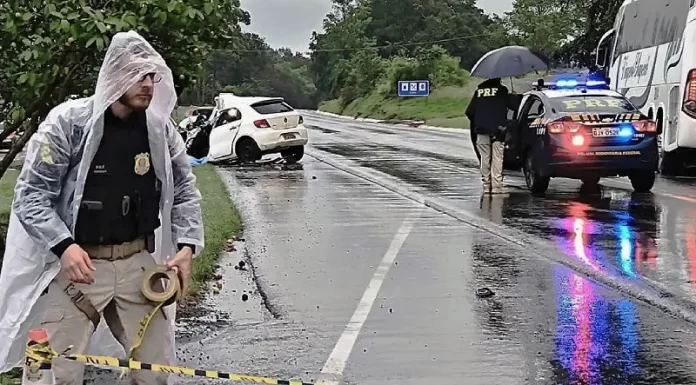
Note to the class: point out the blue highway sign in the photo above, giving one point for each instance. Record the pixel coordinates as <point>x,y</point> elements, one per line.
<point>414,88</point>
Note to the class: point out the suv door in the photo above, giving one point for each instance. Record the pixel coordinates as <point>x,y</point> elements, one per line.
<point>532,110</point>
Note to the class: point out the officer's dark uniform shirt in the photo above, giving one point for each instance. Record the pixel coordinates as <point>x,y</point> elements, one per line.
<point>122,193</point>
<point>488,108</point>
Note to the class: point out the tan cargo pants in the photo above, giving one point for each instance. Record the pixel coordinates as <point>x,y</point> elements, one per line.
<point>492,153</point>
<point>116,294</point>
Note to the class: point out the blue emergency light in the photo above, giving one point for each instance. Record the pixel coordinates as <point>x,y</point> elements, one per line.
<point>573,83</point>
<point>626,131</point>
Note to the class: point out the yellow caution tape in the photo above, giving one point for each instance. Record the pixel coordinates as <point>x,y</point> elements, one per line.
<point>41,353</point>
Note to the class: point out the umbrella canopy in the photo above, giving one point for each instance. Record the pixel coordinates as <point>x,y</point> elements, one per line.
<point>509,61</point>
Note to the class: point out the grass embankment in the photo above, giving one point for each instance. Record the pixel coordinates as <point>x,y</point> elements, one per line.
<point>443,108</point>
<point>220,217</point>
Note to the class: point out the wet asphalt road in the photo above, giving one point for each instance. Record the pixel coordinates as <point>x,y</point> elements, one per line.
<point>315,236</point>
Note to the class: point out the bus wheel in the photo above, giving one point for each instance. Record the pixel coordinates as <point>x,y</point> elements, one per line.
<point>669,163</point>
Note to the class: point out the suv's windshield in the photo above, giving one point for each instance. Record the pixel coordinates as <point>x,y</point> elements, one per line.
<point>592,103</point>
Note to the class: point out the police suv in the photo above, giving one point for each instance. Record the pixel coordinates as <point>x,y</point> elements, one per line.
<point>582,130</point>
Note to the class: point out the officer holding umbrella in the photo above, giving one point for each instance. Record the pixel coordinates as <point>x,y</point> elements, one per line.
<point>487,111</point>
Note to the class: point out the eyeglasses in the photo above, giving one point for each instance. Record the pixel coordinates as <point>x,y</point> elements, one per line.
<point>156,78</point>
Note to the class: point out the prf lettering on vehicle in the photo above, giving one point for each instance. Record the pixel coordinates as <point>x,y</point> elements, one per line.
<point>487,92</point>
<point>592,103</point>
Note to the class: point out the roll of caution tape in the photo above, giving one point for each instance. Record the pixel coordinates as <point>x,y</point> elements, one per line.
<point>151,283</point>
<point>41,354</point>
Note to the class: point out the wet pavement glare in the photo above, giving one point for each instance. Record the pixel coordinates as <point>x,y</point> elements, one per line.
<point>314,236</point>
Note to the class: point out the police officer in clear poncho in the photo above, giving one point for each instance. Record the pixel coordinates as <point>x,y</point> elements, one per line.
<point>106,192</point>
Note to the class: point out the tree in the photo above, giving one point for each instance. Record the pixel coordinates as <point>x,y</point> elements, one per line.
<point>52,49</point>
<point>600,16</point>
<point>546,25</point>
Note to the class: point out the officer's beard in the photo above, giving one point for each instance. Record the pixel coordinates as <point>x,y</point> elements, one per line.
<point>135,103</point>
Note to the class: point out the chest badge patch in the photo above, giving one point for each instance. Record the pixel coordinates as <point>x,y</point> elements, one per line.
<point>142,163</point>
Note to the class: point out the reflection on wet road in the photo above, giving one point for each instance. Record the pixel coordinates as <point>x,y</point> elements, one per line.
<point>629,235</point>
<point>314,237</point>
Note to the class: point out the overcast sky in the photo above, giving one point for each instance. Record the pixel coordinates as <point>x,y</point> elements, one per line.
<point>289,23</point>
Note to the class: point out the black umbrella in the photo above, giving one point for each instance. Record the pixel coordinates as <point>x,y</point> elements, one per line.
<point>508,62</point>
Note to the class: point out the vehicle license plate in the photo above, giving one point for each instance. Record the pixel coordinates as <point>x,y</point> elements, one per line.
<point>604,132</point>
<point>289,136</point>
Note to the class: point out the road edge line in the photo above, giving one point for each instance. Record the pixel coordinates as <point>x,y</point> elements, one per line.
<point>650,295</point>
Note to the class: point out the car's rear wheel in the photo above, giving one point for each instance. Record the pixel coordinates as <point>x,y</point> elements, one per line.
<point>293,155</point>
<point>247,151</point>
<point>536,183</point>
<point>642,181</point>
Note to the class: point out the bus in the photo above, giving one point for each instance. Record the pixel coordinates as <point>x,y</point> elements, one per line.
<point>649,56</point>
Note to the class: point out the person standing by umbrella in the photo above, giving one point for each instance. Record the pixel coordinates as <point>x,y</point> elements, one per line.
<point>487,113</point>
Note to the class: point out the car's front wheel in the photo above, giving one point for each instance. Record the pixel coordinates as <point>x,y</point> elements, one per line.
<point>643,181</point>
<point>293,155</point>
<point>536,183</point>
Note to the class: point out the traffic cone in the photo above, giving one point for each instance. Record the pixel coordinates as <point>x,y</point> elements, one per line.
<point>38,372</point>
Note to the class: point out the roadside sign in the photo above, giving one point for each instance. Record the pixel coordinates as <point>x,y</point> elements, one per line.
<point>414,88</point>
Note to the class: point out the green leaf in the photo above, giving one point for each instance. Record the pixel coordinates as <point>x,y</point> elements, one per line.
<point>27,16</point>
<point>23,78</point>
<point>57,14</point>
<point>73,16</point>
<point>91,41</point>
<point>172,6</point>
<point>101,27</point>
<point>208,8</point>
<point>100,43</point>
<point>65,24</point>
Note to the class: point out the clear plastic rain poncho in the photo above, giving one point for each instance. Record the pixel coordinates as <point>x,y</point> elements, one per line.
<point>50,187</point>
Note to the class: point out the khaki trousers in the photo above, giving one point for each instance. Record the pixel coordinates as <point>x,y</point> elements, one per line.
<point>492,153</point>
<point>116,294</point>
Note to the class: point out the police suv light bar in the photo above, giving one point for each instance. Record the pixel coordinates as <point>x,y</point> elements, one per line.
<point>571,84</point>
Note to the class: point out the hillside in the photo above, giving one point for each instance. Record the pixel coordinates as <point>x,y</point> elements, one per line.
<point>443,108</point>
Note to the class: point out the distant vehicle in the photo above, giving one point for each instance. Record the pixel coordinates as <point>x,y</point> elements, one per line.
<point>650,58</point>
<point>581,130</point>
<point>247,128</point>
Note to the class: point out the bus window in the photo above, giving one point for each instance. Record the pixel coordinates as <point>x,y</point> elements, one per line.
<point>644,24</point>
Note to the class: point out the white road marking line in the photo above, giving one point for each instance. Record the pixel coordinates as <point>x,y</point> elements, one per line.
<point>336,364</point>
